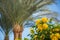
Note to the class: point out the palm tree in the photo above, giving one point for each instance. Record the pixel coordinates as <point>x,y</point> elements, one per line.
<point>15,12</point>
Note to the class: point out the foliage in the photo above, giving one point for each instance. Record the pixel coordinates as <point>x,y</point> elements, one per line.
<point>45,29</point>
<point>26,39</point>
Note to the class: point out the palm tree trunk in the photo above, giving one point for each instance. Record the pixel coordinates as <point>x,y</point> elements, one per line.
<point>17,30</point>
<point>6,37</point>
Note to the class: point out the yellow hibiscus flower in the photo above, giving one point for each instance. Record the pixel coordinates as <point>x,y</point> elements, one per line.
<point>44,19</point>
<point>58,35</point>
<point>40,27</point>
<point>54,38</point>
<point>52,35</point>
<point>37,21</point>
<point>45,26</point>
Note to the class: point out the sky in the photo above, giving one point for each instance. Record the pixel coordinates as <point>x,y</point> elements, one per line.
<point>54,7</point>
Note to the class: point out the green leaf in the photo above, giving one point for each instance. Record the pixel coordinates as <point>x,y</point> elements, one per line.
<point>25,38</point>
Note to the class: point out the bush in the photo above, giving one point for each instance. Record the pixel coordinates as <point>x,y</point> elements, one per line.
<point>45,29</point>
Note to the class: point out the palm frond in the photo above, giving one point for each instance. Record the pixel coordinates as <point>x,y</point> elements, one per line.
<point>43,13</point>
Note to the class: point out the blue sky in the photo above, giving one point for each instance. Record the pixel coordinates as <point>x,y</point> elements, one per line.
<point>54,7</point>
